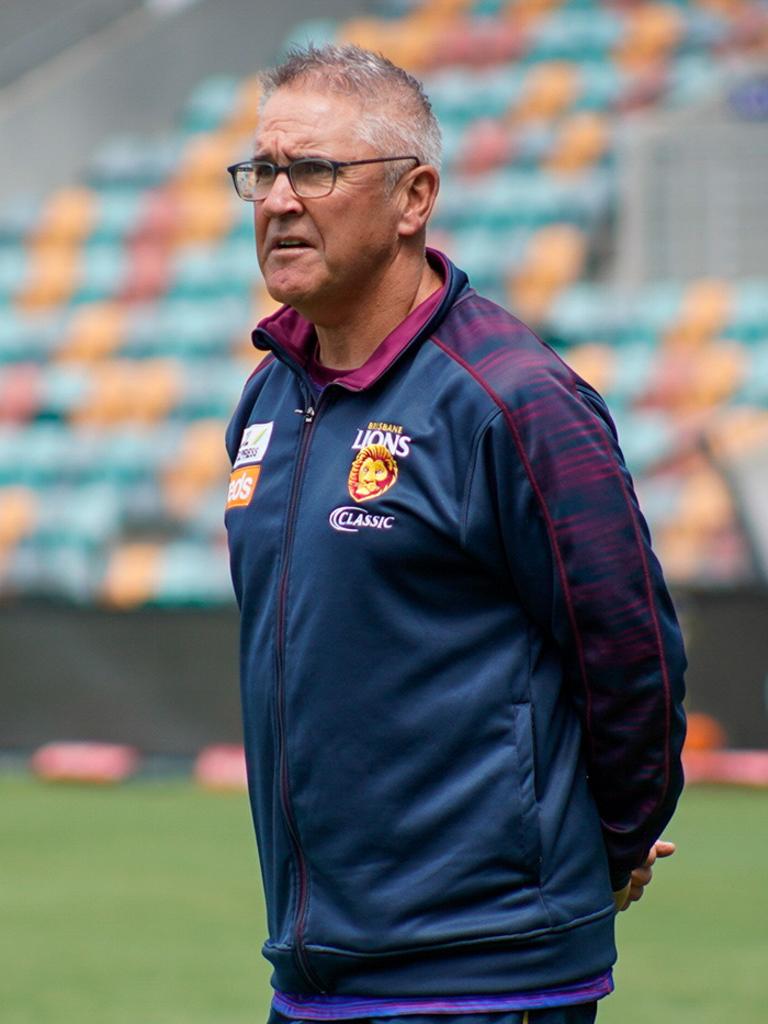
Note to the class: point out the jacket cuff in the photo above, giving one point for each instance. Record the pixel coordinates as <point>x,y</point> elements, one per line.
<point>619,879</point>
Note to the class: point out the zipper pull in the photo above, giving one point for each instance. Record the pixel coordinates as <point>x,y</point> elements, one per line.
<point>308,413</point>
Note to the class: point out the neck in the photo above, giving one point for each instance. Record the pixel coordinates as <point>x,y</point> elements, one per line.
<point>348,345</point>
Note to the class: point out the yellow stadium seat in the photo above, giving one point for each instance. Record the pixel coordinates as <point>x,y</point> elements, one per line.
<point>205,160</point>
<point>581,142</point>
<point>525,12</point>
<point>550,88</point>
<point>246,111</point>
<point>68,216</point>
<point>132,575</point>
<point>653,32</point>
<point>698,380</point>
<point>738,431</point>
<point>157,390</point>
<point>204,214</point>
<point>720,371</point>
<point>554,258</point>
<point>704,313</point>
<point>705,503</point>
<point>18,514</point>
<point>680,551</point>
<point>370,33</point>
<point>95,331</point>
<point>142,392</point>
<point>595,363</point>
<point>52,275</point>
<point>202,463</point>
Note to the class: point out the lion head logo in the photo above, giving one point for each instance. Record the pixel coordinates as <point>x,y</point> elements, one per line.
<point>373,472</point>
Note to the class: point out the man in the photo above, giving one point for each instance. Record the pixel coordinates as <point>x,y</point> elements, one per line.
<point>461,670</point>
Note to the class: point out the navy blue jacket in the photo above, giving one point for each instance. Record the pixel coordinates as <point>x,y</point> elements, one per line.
<point>461,669</point>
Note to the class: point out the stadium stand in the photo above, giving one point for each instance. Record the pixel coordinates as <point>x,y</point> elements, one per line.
<point>127,299</point>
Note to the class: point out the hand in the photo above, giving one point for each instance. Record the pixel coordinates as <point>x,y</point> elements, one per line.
<point>641,876</point>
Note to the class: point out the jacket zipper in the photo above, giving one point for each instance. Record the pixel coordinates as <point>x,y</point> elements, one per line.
<point>302,897</point>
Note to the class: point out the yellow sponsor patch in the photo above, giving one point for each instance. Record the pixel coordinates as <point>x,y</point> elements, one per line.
<point>242,484</point>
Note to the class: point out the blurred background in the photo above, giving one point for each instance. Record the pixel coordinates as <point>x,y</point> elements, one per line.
<point>605,178</point>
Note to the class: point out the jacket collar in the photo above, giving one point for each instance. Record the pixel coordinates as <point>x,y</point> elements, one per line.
<point>292,338</point>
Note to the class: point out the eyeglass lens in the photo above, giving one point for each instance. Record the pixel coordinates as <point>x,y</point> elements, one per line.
<point>309,178</point>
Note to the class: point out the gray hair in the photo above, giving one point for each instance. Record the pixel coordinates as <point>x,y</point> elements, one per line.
<point>398,117</point>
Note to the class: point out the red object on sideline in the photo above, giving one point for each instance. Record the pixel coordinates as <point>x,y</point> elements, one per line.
<point>221,767</point>
<point>733,767</point>
<point>85,762</point>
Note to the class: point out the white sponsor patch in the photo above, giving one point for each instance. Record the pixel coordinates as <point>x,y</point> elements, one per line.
<point>348,519</point>
<point>253,444</point>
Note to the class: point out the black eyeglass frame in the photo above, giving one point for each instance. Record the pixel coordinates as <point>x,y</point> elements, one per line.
<point>287,169</point>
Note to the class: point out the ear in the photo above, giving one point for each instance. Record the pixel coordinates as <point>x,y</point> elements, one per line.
<point>418,192</point>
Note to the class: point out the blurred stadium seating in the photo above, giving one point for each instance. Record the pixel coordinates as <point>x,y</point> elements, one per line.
<point>126,300</point>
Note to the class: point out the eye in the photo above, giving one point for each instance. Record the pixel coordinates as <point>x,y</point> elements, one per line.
<point>262,173</point>
<point>312,178</point>
<point>313,168</point>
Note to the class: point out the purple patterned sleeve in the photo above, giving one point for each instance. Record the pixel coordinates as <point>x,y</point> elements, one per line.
<point>580,557</point>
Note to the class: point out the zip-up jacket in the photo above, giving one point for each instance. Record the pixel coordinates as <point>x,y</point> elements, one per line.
<point>461,669</point>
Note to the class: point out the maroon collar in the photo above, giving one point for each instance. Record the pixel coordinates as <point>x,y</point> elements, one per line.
<point>296,336</point>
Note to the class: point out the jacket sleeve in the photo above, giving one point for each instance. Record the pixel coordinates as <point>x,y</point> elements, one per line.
<point>579,556</point>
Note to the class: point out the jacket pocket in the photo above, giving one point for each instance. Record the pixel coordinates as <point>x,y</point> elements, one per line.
<point>529,838</point>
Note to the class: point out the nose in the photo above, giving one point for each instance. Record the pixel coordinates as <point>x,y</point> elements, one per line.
<point>281,198</point>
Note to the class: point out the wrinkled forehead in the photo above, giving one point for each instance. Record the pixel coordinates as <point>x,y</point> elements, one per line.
<point>304,118</point>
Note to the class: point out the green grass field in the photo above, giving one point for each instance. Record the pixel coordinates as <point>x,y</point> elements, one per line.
<point>141,905</point>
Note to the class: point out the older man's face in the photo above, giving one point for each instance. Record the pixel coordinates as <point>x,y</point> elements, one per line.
<point>348,238</point>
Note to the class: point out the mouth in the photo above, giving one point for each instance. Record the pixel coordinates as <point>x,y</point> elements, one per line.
<point>290,245</point>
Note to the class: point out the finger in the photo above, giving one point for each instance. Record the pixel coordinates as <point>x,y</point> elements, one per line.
<point>641,876</point>
<point>664,848</point>
<point>621,897</point>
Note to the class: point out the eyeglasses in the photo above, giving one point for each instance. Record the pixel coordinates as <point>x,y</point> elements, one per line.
<point>310,177</point>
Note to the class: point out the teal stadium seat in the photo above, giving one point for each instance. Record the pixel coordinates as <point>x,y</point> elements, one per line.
<point>748,321</point>
<point>193,573</point>
<point>692,79</point>
<point>214,271</point>
<point>459,96</point>
<point>63,389</point>
<point>130,455</point>
<point>754,387</point>
<point>210,388</point>
<point>656,307</point>
<point>103,269</point>
<point>207,522</point>
<point>13,270</point>
<point>317,30</point>
<point>137,162</point>
<point>62,570</point>
<point>88,516</point>
<point>601,86</point>
<point>632,372</point>
<point>660,498</point>
<point>647,438</point>
<point>489,255</point>
<point>18,219</point>
<point>575,35</point>
<point>704,28</point>
<point>11,448</point>
<point>211,103</point>
<point>185,328</point>
<point>117,211</point>
<point>28,338</point>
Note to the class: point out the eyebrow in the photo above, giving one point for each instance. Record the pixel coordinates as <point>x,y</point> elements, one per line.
<point>303,156</point>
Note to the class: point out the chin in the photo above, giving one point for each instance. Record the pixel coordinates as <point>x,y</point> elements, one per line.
<point>283,289</point>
